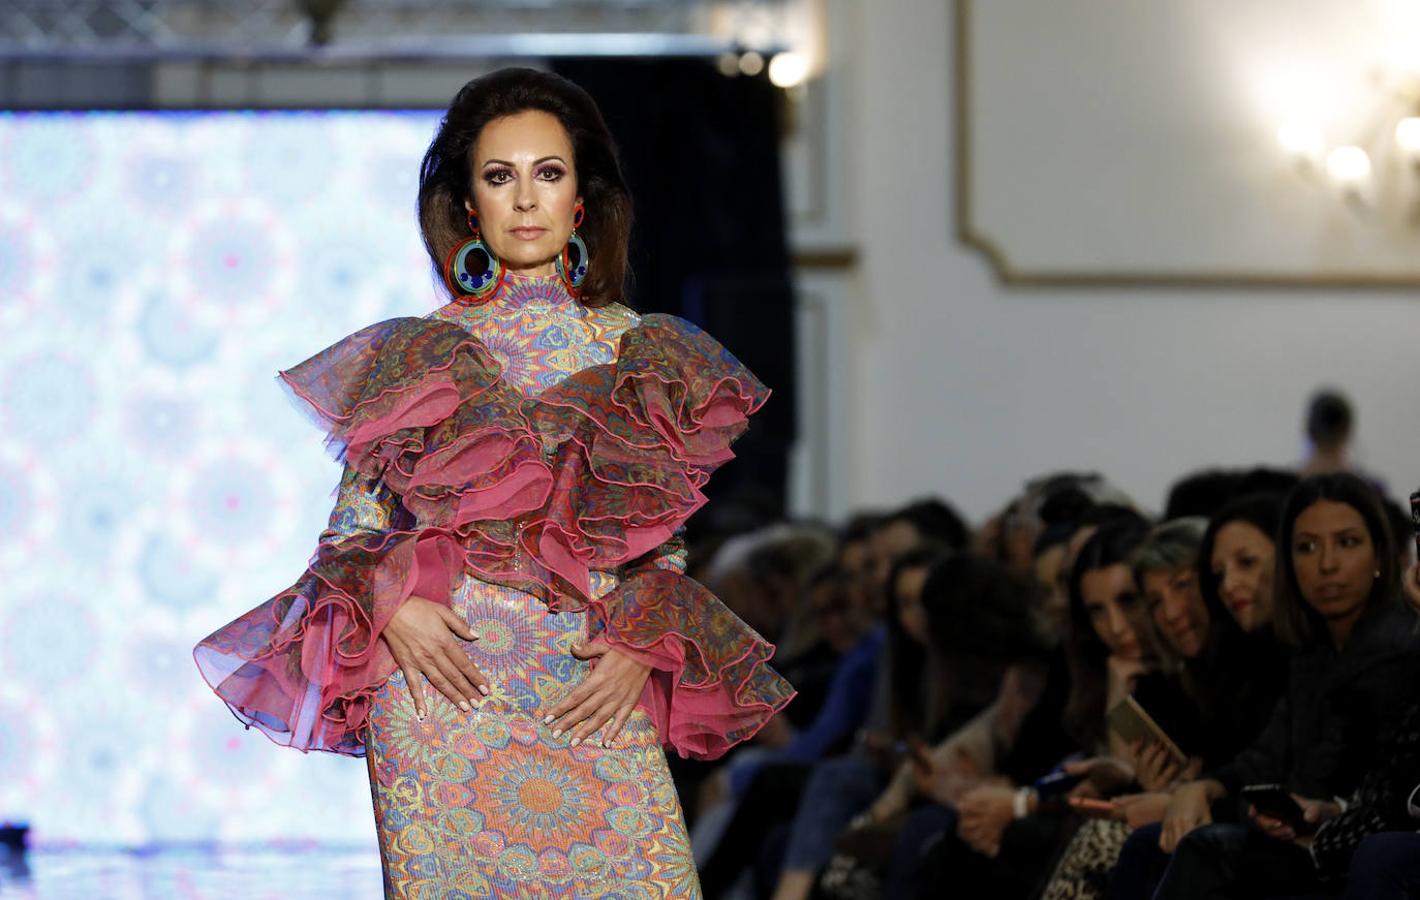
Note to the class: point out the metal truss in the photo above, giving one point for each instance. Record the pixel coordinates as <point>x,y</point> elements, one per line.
<point>66,26</point>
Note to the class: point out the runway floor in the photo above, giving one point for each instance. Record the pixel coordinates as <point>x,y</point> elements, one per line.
<point>203,873</point>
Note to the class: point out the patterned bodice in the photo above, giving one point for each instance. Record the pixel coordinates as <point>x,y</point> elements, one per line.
<point>589,516</point>
<point>539,332</point>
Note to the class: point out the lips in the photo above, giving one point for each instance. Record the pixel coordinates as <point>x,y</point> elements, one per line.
<point>528,233</point>
<point>1331,591</point>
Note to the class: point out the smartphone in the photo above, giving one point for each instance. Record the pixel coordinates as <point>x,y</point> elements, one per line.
<point>1276,801</point>
<point>1415,520</point>
<point>1129,720</point>
<point>1095,809</point>
<point>1057,783</point>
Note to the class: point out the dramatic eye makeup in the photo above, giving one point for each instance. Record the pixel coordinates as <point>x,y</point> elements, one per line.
<point>497,174</point>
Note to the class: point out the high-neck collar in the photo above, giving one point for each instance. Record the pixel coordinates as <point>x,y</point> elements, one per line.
<point>519,291</point>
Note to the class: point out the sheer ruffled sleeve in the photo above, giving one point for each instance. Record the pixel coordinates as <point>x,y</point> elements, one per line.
<point>303,665</point>
<point>450,471</point>
<point>711,686</point>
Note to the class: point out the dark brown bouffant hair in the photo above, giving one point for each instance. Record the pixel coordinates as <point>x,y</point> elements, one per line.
<point>446,179</point>
<point>1293,617</point>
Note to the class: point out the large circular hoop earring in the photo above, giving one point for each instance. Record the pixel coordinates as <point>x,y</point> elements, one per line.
<point>572,263</point>
<point>465,274</point>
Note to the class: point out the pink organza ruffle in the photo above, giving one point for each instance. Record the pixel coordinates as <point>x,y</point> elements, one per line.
<point>711,686</point>
<point>533,493</point>
<point>303,665</point>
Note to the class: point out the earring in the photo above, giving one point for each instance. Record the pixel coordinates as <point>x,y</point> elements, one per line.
<point>479,281</point>
<point>572,264</point>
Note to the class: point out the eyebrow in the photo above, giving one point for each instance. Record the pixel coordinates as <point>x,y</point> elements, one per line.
<point>1348,529</point>
<point>504,162</point>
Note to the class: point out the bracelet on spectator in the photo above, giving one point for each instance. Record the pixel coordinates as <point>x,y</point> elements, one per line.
<point>1020,803</point>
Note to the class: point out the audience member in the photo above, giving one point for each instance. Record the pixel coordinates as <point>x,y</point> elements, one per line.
<point>1337,602</point>
<point>947,683</point>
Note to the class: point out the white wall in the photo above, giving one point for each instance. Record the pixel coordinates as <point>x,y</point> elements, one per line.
<point>951,383</point>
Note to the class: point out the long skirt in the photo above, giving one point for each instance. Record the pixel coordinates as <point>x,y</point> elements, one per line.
<point>490,804</point>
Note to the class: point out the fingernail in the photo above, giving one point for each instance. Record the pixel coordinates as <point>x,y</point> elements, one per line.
<point>557,732</point>
<point>547,721</point>
<point>419,715</point>
<point>463,705</point>
<point>606,745</point>
<point>576,741</point>
<point>483,689</point>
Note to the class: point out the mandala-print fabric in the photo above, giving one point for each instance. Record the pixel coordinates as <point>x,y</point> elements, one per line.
<point>491,804</point>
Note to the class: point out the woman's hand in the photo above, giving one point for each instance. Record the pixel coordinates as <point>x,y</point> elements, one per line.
<point>944,781</point>
<point>1157,769</point>
<point>420,638</point>
<point>1105,776</point>
<point>1138,810</point>
<point>1314,812</point>
<point>1189,808</point>
<point>983,814</point>
<point>1121,675</point>
<point>607,695</point>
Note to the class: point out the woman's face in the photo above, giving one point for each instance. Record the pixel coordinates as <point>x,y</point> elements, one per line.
<point>1334,559</point>
<point>524,190</point>
<point>911,615</point>
<point>1178,610</point>
<point>1109,594</point>
<point>838,621</point>
<point>1242,562</point>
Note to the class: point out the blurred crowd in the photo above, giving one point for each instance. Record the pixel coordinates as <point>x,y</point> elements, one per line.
<point>1078,699</point>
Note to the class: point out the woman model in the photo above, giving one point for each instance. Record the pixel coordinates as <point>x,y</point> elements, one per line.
<point>517,466</point>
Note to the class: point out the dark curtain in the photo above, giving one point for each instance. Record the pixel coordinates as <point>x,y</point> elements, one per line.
<point>701,154</point>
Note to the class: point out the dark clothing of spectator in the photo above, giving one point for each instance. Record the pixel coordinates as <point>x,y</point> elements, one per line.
<point>1339,709</point>
<point>1385,867</point>
<point>1387,800</point>
<point>1325,735</point>
<point>844,711</point>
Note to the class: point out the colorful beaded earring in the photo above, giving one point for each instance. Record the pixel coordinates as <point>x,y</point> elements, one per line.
<point>572,263</point>
<point>478,282</point>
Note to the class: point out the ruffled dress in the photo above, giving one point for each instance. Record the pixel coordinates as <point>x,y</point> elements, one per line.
<point>528,462</point>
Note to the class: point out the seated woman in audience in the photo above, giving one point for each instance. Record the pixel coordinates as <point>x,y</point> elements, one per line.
<point>830,626</point>
<point>1215,621</point>
<point>1006,836</point>
<point>1373,835</point>
<point>969,754</point>
<point>1337,601</point>
<point>768,786</point>
<point>960,686</point>
<point>1240,675</point>
<point>983,617</point>
<point>1210,697</point>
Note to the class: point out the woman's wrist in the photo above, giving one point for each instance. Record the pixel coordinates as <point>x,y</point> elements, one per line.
<point>1211,789</point>
<point>1025,802</point>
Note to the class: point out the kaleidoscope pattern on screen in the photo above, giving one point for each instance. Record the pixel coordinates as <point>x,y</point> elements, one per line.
<point>156,270</point>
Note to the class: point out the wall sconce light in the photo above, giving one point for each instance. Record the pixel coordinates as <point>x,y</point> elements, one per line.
<point>1378,170</point>
<point>1304,144</point>
<point>1350,169</point>
<point>790,69</point>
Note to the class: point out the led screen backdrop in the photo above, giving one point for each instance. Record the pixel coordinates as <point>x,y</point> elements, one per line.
<point>156,270</point>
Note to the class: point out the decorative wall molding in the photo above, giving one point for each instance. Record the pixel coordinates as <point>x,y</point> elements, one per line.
<point>1322,246</point>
